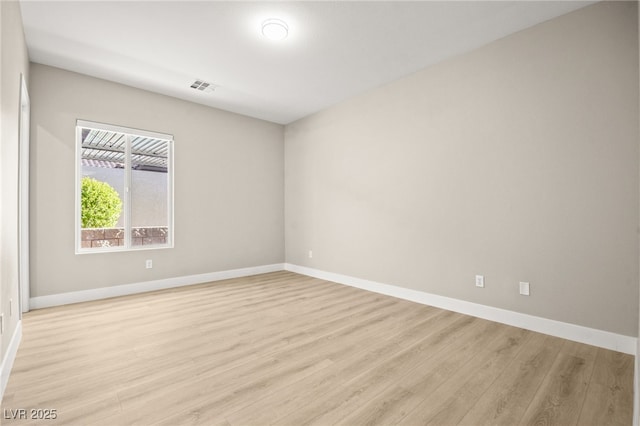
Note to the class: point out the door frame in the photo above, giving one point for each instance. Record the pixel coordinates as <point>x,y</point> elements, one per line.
<point>23,198</point>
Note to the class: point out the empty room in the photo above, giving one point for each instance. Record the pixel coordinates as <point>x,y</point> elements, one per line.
<point>319,213</point>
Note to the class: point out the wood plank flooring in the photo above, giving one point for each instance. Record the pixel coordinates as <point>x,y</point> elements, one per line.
<point>287,349</point>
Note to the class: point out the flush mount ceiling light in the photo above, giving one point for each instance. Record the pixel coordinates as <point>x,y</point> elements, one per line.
<point>275,29</point>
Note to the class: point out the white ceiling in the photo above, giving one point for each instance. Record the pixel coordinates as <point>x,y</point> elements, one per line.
<point>334,49</point>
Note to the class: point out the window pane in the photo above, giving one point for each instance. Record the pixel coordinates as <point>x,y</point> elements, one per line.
<point>102,189</point>
<point>124,188</point>
<point>149,191</point>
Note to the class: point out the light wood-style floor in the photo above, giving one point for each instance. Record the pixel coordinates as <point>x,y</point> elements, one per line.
<point>286,349</point>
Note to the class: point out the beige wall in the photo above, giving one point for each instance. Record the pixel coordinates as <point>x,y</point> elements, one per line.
<point>636,397</point>
<point>517,161</point>
<point>14,63</point>
<point>228,184</point>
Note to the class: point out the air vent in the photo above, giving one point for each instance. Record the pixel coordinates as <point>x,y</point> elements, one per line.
<point>203,86</point>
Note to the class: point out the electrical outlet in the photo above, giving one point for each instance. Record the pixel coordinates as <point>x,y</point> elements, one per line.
<point>479,281</point>
<point>524,288</point>
<point>310,254</point>
<point>148,264</point>
<point>10,307</point>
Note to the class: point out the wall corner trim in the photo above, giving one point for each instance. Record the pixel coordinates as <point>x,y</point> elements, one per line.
<point>125,289</point>
<point>9,357</point>
<point>577,333</point>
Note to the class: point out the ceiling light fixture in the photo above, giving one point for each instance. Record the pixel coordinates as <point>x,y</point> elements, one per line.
<point>275,29</point>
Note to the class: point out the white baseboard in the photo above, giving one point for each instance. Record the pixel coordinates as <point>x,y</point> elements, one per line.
<point>590,336</point>
<point>123,290</point>
<point>577,333</point>
<point>9,357</point>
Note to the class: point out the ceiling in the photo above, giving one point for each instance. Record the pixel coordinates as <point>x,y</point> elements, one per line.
<point>335,49</point>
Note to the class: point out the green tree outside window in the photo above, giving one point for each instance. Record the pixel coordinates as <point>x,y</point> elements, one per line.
<point>100,203</point>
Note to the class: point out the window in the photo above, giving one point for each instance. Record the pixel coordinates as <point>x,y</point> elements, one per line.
<point>124,188</point>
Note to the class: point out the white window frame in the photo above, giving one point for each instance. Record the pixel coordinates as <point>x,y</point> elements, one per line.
<point>129,134</point>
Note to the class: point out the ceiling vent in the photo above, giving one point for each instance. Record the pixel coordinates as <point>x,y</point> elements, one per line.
<point>203,86</point>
